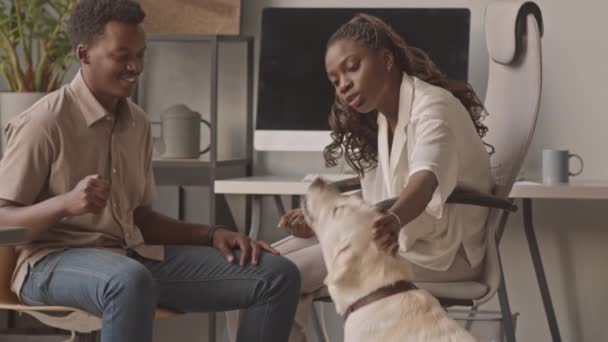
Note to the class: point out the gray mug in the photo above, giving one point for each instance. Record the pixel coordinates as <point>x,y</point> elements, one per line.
<point>556,166</point>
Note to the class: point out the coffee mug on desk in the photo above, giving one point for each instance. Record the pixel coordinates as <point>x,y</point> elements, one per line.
<point>556,166</point>
<point>180,134</point>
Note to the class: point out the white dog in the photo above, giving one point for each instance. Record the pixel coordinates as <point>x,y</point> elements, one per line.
<point>356,268</point>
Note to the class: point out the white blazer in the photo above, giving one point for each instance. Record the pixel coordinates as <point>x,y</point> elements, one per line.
<point>434,132</point>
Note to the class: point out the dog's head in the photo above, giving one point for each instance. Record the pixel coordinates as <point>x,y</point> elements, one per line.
<point>356,266</point>
<point>342,223</point>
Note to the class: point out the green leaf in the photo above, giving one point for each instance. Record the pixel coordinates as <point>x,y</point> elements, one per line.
<point>37,33</point>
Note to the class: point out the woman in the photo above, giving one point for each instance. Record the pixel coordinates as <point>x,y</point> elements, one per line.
<point>410,133</point>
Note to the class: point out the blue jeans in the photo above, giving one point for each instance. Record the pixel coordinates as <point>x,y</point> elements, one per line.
<point>125,290</point>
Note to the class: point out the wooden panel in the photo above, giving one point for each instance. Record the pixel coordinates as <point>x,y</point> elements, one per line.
<point>208,17</point>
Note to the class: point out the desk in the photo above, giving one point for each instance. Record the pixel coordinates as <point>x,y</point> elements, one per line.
<point>529,190</point>
<point>261,186</point>
<point>275,186</point>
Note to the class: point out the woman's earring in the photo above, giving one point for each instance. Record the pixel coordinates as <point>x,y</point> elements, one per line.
<point>389,66</point>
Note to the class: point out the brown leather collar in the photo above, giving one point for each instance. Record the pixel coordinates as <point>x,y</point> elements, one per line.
<point>383,292</point>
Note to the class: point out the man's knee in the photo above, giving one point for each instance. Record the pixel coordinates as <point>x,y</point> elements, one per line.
<point>133,280</point>
<point>285,275</point>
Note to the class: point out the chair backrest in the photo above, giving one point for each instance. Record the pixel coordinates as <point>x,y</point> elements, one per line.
<point>8,259</point>
<point>513,37</point>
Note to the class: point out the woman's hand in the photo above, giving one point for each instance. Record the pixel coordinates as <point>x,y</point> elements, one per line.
<point>386,228</point>
<point>294,222</point>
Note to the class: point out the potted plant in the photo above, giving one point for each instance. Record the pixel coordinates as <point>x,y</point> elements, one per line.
<point>35,51</point>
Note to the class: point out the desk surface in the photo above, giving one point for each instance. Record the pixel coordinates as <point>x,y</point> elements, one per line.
<point>583,189</point>
<point>268,185</point>
<point>293,185</point>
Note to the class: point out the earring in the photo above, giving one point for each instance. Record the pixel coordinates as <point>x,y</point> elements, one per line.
<point>389,66</point>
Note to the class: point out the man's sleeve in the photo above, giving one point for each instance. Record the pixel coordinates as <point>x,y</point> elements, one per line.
<point>149,196</point>
<point>26,164</point>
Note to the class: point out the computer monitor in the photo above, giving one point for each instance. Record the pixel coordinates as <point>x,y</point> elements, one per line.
<point>294,94</point>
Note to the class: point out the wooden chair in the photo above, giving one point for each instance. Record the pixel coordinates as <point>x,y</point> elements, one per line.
<point>82,325</point>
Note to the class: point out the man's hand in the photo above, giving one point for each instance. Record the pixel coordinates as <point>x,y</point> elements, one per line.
<point>225,241</point>
<point>386,230</point>
<point>295,223</point>
<point>89,196</point>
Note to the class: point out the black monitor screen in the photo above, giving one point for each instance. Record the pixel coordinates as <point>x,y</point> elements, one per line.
<point>293,90</point>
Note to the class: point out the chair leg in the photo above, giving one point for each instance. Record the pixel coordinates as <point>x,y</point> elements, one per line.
<point>212,319</point>
<point>471,317</point>
<point>505,309</point>
<point>317,324</point>
<point>503,299</point>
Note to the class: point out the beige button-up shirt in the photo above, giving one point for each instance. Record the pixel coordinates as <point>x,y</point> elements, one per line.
<point>61,139</point>
<point>434,132</point>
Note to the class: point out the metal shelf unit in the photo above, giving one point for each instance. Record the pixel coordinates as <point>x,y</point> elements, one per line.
<point>213,168</point>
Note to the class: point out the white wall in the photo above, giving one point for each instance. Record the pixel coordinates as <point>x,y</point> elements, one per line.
<point>571,234</point>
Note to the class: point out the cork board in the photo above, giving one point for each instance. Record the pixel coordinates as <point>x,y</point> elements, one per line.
<point>222,17</point>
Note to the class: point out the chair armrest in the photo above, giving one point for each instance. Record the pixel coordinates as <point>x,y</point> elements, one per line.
<point>458,196</point>
<point>461,196</point>
<point>349,184</point>
<point>11,236</point>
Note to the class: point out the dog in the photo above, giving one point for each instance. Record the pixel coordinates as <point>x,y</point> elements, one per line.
<point>357,267</point>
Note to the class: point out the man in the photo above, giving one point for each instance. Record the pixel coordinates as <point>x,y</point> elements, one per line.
<point>78,174</point>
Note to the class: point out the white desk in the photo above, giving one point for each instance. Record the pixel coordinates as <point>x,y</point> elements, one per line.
<point>275,186</point>
<point>293,185</point>
<point>260,186</point>
<point>529,190</point>
<point>574,190</point>
<point>269,185</point>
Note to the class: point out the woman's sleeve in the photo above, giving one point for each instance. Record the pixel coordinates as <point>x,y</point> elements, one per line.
<point>435,150</point>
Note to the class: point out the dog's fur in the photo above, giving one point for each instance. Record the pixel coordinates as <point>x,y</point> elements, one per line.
<point>356,267</point>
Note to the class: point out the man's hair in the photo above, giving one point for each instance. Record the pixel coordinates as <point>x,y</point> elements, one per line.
<point>89,17</point>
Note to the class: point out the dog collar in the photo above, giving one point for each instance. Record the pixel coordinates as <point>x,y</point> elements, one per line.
<point>381,293</point>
